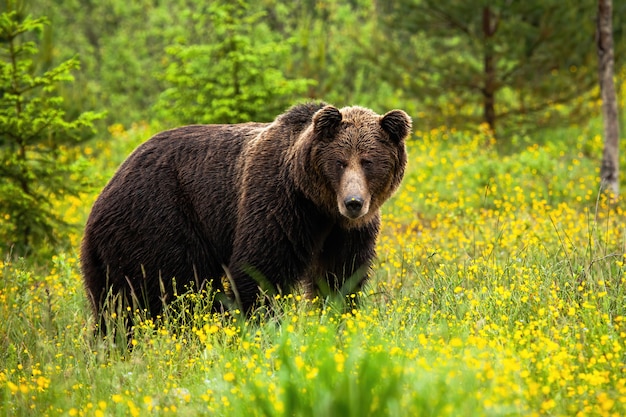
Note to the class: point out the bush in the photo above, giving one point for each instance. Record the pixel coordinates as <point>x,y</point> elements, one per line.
<point>234,76</point>
<point>37,165</point>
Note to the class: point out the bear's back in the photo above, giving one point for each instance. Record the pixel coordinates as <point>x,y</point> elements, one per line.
<point>178,172</point>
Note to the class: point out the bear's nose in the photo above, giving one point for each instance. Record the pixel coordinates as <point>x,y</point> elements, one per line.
<point>353,205</point>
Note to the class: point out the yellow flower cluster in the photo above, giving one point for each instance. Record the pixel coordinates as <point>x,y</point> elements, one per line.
<point>524,255</point>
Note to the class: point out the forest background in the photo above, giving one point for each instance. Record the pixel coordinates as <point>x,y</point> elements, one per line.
<point>499,288</point>
<point>517,67</point>
<point>184,60</point>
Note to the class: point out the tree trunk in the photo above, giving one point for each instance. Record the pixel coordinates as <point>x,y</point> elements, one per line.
<point>609,171</point>
<point>490,24</point>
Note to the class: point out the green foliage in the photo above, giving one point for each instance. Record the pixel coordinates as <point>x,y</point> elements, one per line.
<point>121,46</point>
<point>427,57</point>
<point>37,165</point>
<point>233,76</point>
<point>535,60</point>
<point>338,44</point>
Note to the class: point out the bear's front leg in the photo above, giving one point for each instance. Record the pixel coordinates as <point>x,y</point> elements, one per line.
<point>344,264</point>
<point>263,266</point>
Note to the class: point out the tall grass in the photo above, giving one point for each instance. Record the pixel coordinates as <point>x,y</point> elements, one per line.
<point>499,290</point>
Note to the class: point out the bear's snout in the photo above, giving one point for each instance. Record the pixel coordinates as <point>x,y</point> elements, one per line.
<point>353,198</point>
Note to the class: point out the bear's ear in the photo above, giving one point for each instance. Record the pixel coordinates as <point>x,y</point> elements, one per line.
<point>397,124</point>
<point>326,122</point>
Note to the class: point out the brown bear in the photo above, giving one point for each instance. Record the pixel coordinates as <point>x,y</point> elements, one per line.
<point>292,201</point>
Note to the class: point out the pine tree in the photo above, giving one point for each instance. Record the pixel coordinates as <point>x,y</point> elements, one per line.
<point>234,75</point>
<point>36,140</point>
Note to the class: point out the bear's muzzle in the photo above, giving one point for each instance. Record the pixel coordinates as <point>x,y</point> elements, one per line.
<point>353,197</point>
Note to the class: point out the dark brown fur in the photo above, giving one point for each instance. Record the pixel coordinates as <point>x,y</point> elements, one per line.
<point>296,200</point>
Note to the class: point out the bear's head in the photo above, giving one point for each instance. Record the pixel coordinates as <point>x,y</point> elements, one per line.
<point>354,160</point>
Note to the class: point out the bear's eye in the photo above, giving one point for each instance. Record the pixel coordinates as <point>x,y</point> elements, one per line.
<point>366,163</point>
<point>341,164</point>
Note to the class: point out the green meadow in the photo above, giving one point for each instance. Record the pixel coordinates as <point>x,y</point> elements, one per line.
<point>498,291</point>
